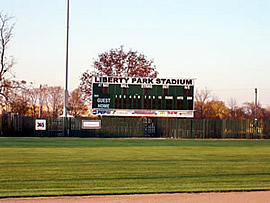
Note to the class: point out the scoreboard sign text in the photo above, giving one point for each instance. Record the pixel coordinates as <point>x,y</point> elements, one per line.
<point>150,81</point>
<point>158,97</point>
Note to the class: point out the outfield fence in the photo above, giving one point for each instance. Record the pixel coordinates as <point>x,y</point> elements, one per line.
<point>13,125</point>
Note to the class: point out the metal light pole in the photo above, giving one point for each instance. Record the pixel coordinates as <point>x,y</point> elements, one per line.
<point>66,85</point>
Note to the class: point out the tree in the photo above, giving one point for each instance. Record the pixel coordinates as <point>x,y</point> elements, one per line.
<point>235,111</point>
<point>56,100</point>
<point>33,97</point>
<point>232,107</point>
<point>6,62</point>
<point>248,109</point>
<point>117,62</point>
<point>76,104</point>
<point>201,99</point>
<point>43,101</point>
<point>19,105</point>
<point>18,98</point>
<point>216,110</point>
<point>267,113</point>
<point>49,100</point>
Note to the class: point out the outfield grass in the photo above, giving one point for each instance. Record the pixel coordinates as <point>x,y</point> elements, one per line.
<point>71,166</point>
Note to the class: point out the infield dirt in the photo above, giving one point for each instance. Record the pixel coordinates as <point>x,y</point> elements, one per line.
<point>230,197</point>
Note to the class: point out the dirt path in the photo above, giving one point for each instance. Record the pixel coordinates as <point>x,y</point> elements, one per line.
<point>230,197</point>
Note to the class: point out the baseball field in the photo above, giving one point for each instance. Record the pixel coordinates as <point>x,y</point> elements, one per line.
<point>82,166</point>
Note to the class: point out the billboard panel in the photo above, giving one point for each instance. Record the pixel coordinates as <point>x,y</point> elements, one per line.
<point>159,97</point>
<point>91,124</point>
<point>40,124</point>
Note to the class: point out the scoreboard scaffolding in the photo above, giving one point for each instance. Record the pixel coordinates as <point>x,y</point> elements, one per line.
<point>157,97</point>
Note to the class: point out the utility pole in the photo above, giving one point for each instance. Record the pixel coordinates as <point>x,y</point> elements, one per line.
<point>255,104</point>
<point>40,103</point>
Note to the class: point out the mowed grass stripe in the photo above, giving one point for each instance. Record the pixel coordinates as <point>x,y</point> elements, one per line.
<point>61,166</point>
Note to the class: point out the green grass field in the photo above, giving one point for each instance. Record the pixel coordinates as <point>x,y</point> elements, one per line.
<point>80,166</point>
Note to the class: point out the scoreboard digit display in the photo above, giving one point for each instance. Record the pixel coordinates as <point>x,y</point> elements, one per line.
<point>157,97</point>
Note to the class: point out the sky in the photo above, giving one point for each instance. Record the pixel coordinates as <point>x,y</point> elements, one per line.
<point>225,45</point>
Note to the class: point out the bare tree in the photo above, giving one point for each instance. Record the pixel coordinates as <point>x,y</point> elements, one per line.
<point>6,62</point>
<point>201,99</point>
<point>56,100</point>
<point>76,104</point>
<point>18,98</point>
<point>46,101</point>
<point>43,102</point>
<point>33,96</point>
<point>233,108</point>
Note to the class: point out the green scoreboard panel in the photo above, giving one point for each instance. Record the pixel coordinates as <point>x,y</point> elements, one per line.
<point>142,97</point>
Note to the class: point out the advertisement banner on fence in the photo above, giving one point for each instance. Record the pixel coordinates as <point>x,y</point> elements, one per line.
<point>91,124</point>
<point>148,113</point>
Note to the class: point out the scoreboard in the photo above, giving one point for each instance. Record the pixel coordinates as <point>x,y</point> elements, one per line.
<point>156,97</point>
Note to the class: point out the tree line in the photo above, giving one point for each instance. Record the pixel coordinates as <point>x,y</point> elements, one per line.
<point>44,101</point>
<point>206,106</point>
<point>47,101</point>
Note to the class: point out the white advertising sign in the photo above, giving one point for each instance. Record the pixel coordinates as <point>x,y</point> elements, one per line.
<point>40,124</point>
<point>91,124</point>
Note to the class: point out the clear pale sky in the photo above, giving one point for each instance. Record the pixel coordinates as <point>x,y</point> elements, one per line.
<point>224,44</point>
